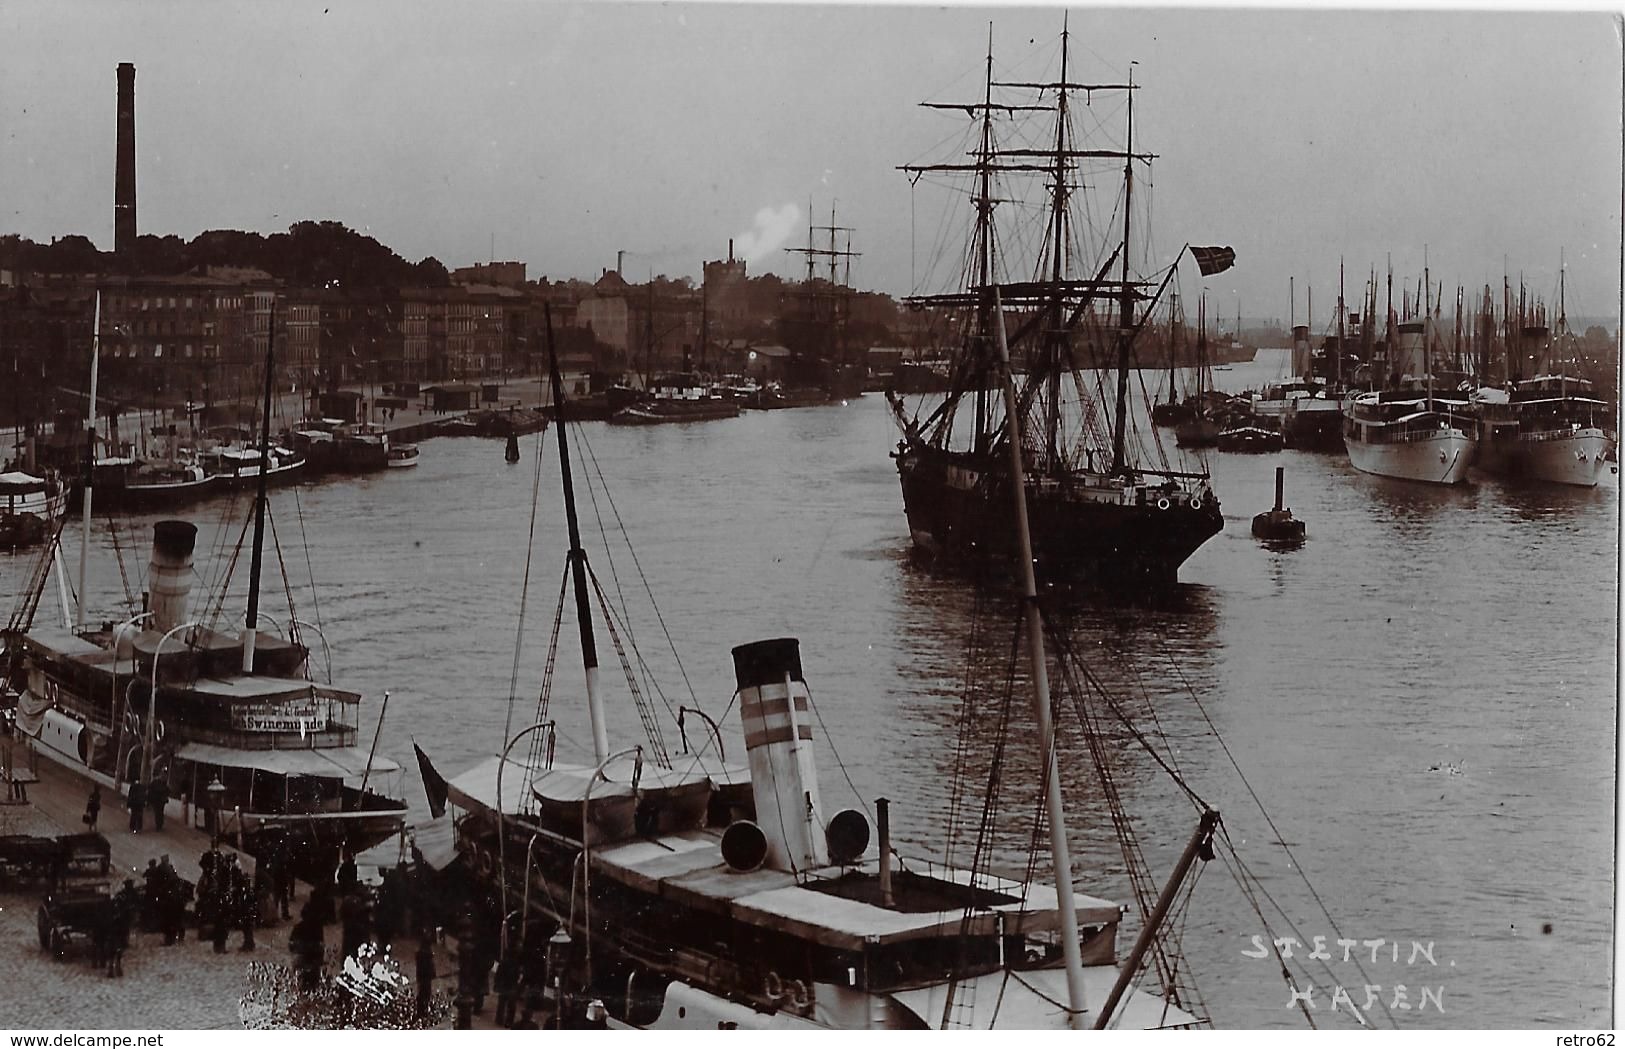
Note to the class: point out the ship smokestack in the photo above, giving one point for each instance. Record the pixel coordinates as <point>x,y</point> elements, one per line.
<point>124,169</point>
<point>169,576</point>
<point>1300,349</point>
<point>1407,357</point>
<point>773,706</point>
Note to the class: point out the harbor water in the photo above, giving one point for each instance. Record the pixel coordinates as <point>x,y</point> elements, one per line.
<point>1422,696</point>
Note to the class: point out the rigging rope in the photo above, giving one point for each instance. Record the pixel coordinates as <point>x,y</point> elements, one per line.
<point>524,595</point>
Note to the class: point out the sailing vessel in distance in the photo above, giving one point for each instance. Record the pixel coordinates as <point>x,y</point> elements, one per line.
<point>1104,507</point>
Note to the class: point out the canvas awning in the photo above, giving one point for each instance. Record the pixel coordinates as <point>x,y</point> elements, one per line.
<point>330,762</point>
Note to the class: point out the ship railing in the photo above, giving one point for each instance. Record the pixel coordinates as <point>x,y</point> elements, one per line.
<point>1567,433</point>
<point>1410,435</point>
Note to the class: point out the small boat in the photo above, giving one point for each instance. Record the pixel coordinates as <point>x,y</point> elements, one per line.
<point>238,466</point>
<point>133,484</point>
<point>1249,439</point>
<point>402,455</point>
<point>461,426</point>
<point>677,399</point>
<point>1278,525</point>
<point>30,506</point>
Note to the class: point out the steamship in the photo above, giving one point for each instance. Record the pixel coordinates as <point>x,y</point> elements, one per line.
<point>1552,427</point>
<point>236,726</point>
<point>706,896</point>
<point>679,891</point>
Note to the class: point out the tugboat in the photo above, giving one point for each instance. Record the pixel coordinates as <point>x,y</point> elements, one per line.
<point>1278,525</point>
<point>1103,510</point>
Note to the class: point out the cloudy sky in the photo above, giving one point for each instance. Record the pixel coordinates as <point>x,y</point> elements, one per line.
<point>562,133</point>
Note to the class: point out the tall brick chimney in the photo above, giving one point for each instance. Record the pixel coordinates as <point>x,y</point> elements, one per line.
<point>124,175</point>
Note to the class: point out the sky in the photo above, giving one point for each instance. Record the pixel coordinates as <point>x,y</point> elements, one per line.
<point>560,134</point>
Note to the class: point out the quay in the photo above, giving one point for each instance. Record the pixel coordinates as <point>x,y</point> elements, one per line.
<point>186,986</point>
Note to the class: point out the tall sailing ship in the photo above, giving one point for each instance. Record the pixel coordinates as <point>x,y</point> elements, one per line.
<point>1551,427</point>
<point>1103,508</point>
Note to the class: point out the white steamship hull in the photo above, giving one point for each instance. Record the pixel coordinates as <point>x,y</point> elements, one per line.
<point>1442,457</point>
<point>1573,457</point>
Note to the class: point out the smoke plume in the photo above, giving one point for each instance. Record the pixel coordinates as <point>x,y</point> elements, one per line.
<point>773,227</point>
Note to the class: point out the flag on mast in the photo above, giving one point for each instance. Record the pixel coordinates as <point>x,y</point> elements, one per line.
<point>1213,260</point>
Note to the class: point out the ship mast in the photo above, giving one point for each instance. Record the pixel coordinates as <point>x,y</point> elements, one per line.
<point>1060,856</point>
<point>578,558</point>
<point>252,621</point>
<point>1342,312</point>
<point>1052,421</point>
<point>1125,302</point>
<point>90,458</point>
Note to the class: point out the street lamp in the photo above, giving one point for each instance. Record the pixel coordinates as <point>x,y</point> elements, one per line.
<point>502,830</point>
<point>215,790</point>
<point>152,699</point>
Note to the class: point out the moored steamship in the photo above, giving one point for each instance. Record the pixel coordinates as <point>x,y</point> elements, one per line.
<point>235,712</point>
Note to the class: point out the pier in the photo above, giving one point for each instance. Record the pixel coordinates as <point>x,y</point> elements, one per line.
<point>183,986</point>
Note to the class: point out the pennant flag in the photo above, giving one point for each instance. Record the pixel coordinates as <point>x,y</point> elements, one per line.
<point>1213,260</point>
<point>434,784</point>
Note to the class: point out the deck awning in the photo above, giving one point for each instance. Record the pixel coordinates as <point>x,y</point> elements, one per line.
<point>330,762</point>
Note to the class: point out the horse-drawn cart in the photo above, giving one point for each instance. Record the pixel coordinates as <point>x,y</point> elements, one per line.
<point>79,904</point>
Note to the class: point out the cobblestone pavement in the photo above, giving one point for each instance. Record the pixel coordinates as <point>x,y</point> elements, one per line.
<point>186,986</point>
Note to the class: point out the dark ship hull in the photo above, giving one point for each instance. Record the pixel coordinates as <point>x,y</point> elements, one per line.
<point>1087,528</point>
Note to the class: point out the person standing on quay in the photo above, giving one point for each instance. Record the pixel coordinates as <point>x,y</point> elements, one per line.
<point>247,907</point>
<point>157,798</point>
<point>93,808</point>
<point>137,801</point>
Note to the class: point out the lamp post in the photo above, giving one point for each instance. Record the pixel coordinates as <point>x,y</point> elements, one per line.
<point>215,791</point>
<point>152,700</point>
<point>124,764</point>
<point>502,830</point>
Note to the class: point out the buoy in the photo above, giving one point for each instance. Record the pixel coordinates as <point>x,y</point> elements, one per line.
<point>513,448</point>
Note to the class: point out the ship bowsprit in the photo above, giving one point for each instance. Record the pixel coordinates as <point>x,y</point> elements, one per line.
<point>1086,527</point>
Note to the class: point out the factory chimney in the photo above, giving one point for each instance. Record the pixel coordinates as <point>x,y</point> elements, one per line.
<point>124,175</point>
